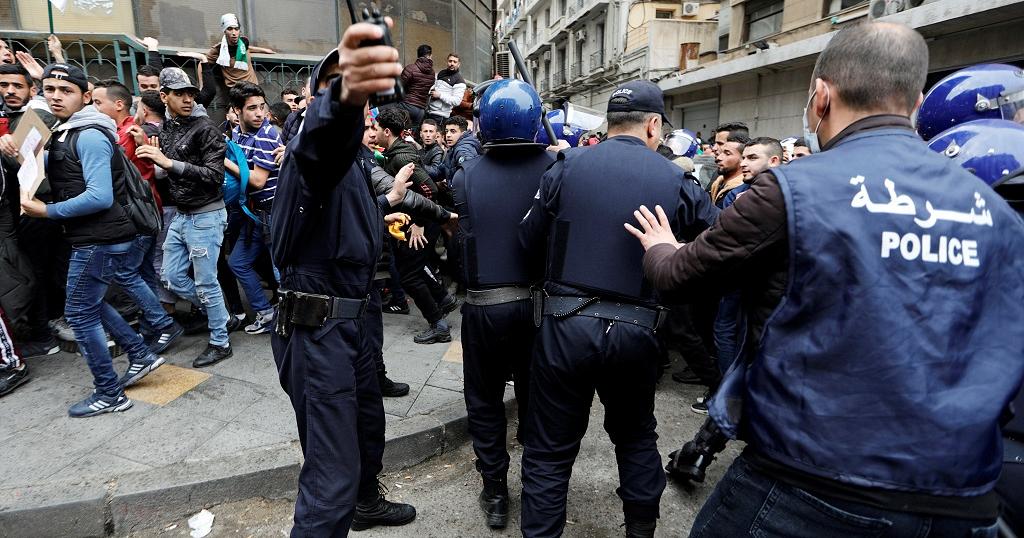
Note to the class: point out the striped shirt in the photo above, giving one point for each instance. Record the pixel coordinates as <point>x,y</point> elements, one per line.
<point>259,149</point>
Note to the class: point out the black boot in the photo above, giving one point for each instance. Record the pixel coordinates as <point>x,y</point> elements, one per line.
<point>380,511</point>
<point>391,389</point>
<point>494,503</point>
<point>640,529</point>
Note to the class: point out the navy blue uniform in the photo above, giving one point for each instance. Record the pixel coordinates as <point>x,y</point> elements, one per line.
<point>492,193</point>
<point>327,231</point>
<point>577,221</point>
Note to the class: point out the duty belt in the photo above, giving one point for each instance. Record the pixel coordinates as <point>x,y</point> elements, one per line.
<point>312,310</point>
<point>594,307</point>
<point>508,294</point>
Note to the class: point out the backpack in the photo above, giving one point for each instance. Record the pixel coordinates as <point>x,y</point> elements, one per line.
<point>138,204</point>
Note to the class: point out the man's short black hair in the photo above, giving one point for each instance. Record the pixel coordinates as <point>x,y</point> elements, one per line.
<point>147,71</point>
<point>627,119</point>
<point>424,50</point>
<point>280,112</point>
<point>242,91</point>
<point>16,69</point>
<point>800,142</point>
<point>429,121</point>
<point>772,146</point>
<point>151,99</point>
<point>742,140</point>
<point>733,128</point>
<point>453,55</point>
<point>666,152</point>
<point>289,91</point>
<point>875,66</point>
<point>394,119</point>
<point>457,121</point>
<point>116,91</point>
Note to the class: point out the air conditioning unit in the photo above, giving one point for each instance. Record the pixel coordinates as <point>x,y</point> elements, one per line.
<point>581,34</point>
<point>546,56</point>
<point>503,64</point>
<point>690,9</point>
<point>882,8</point>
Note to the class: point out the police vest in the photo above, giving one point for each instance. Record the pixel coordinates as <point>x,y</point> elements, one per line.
<point>601,187</point>
<point>64,170</point>
<point>890,358</point>
<point>492,193</point>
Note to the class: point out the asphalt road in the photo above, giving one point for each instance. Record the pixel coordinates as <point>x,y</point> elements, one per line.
<point>444,489</point>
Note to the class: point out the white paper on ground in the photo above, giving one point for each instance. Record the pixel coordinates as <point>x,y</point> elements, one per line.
<point>201,524</point>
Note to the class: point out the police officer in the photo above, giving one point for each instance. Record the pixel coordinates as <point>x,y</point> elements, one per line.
<point>871,400</point>
<point>599,313</point>
<point>327,230</point>
<point>989,142</point>
<point>492,193</point>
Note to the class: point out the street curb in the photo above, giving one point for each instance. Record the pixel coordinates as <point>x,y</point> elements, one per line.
<point>148,498</point>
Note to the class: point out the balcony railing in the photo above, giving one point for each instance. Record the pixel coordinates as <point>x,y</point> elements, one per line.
<point>558,78</point>
<point>577,70</point>
<point>542,85</point>
<point>597,60</point>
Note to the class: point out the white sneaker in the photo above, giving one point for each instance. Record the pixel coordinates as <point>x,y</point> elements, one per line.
<point>263,323</point>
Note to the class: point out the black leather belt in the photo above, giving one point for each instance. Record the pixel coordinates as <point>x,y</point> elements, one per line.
<point>313,310</point>
<point>594,307</point>
<point>508,294</point>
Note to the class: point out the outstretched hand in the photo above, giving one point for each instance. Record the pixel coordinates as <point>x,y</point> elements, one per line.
<point>656,229</point>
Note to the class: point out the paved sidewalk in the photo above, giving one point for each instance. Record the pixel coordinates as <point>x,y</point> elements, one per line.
<point>228,428</point>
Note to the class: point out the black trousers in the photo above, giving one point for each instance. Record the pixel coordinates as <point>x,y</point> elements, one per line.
<point>572,358</point>
<point>374,320</point>
<point>42,241</point>
<point>425,290</point>
<point>330,376</point>
<point>689,330</point>
<point>1009,488</point>
<point>497,341</point>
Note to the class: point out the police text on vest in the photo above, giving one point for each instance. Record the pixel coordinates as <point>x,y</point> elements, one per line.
<point>942,249</point>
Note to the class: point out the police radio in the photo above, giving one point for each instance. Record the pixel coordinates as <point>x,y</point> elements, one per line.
<point>373,16</point>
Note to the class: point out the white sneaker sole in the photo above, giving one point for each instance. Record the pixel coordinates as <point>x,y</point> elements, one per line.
<point>143,373</point>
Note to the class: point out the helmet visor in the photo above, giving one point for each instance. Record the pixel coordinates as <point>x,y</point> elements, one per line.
<point>1011,105</point>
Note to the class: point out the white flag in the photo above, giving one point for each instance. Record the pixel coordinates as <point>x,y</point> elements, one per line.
<point>59,4</point>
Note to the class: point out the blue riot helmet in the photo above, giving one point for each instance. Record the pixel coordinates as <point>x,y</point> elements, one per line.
<point>682,142</point>
<point>563,130</point>
<point>989,149</point>
<point>510,112</point>
<point>982,91</point>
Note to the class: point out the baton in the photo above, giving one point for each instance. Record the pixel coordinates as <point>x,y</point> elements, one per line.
<point>521,67</point>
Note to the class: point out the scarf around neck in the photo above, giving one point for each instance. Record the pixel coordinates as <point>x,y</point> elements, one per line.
<point>241,59</point>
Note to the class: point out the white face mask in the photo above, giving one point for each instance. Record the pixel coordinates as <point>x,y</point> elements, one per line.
<point>811,138</point>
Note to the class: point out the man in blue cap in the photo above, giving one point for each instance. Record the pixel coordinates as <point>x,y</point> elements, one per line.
<point>599,314</point>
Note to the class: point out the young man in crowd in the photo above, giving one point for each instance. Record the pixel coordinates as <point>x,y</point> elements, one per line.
<point>729,156</point>
<point>418,79</point>
<point>278,114</point>
<point>447,91</point>
<point>432,153</point>
<point>800,150</point>
<point>462,143</point>
<point>148,79</point>
<point>232,53</point>
<point>87,178</point>
<point>288,96</point>
<point>429,295</point>
<point>32,307</point>
<point>258,139</point>
<point>114,99</point>
<point>190,149</point>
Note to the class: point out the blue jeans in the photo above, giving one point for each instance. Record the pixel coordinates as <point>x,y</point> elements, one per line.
<point>249,247</point>
<point>194,240</point>
<point>748,503</point>
<point>91,270</point>
<point>138,279</point>
<point>728,330</point>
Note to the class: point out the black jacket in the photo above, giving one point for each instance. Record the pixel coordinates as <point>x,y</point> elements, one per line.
<point>402,153</point>
<point>431,157</point>
<point>196,178</point>
<point>291,126</point>
<point>465,148</point>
